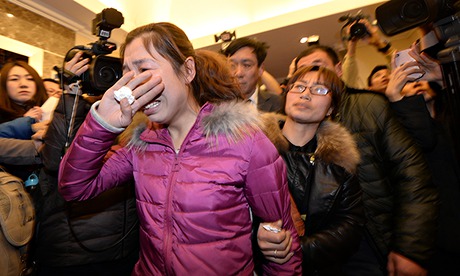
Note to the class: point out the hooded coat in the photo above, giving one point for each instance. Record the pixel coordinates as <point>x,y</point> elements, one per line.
<point>324,186</point>
<point>194,204</point>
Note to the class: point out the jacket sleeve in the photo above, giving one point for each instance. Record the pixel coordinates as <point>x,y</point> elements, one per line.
<point>415,199</point>
<point>350,72</point>
<point>18,152</point>
<point>20,128</point>
<point>339,236</point>
<point>83,173</point>
<point>268,195</point>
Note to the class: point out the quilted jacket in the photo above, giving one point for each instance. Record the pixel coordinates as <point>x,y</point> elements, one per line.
<point>194,204</point>
<point>400,200</point>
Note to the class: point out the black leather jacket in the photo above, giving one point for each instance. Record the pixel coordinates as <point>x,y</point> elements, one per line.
<point>325,188</point>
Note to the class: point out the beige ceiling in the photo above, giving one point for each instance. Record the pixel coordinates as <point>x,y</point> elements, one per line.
<point>201,19</point>
<point>280,23</point>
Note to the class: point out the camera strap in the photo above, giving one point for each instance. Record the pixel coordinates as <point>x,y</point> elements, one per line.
<point>74,88</point>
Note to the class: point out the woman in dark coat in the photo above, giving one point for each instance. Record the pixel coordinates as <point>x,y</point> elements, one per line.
<point>322,159</point>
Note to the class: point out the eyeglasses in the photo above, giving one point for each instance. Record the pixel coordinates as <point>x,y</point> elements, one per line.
<point>315,89</point>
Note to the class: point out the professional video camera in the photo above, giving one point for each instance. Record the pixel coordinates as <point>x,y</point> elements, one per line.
<point>104,70</point>
<point>396,16</point>
<point>440,20</point>
<point>357,30</point>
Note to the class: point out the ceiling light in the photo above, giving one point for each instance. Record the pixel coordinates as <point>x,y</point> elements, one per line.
<point>313,39</point>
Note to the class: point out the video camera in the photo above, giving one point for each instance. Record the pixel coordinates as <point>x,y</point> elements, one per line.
<point>103,70</point>
<point>357,30</point>
<point>440,20</point>
<point>396,16</point>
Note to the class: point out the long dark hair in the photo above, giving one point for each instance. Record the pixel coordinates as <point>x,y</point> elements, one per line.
<point>213,81</point>
<point>10,110</point>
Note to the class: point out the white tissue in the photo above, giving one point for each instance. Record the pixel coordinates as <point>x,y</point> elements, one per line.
<point>48,108</point>
<point>124,92</point>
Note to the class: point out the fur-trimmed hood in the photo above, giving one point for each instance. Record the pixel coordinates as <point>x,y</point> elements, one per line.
<point>335,144</point>
<point>233,119</point>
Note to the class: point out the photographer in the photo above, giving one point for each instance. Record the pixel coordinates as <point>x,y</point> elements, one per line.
<point>372,37</point>
<point>421,107</point>
<point>95,237</point>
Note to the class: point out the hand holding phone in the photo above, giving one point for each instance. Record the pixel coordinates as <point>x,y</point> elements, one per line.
<point>401,57</point>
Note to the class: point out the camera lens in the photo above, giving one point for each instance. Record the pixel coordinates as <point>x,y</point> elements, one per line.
<point>104,71</point>
<point>107,74</point>
<point>358,30</point>
<point>413,10</point>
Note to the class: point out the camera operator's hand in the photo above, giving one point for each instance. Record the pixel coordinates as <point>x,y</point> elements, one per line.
<point>374,37</point>
<point>145,87</point>
<point>77,65</point>
<point>35,113</point>
<point>398,79</point>
<point>430,66</point>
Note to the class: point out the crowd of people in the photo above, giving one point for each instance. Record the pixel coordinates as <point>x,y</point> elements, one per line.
<point>209,166</point>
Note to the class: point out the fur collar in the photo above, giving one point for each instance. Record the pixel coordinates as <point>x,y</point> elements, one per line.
<point>233,119</point>
<point>335,144</point>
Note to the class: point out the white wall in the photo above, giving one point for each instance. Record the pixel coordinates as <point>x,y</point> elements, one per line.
<point>35,54</point>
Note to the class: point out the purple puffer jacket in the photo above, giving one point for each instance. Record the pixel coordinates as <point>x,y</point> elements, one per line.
<point>194,205</point>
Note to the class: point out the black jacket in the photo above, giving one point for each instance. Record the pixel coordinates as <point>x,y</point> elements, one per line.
<point>268,101</point>
<point>95,235</point>
<point>400,200</point>
<point>432,137</point>
<point>323,183</point>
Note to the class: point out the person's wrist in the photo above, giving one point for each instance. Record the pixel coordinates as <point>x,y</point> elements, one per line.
<point>384,47</point>
<point>375,41</point>
<point>393,97</point>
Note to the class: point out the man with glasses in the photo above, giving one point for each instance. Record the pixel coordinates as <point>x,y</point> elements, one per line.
<point>246,57</point>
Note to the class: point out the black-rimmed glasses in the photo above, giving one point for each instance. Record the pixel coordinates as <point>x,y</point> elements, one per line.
<point>315,89</point>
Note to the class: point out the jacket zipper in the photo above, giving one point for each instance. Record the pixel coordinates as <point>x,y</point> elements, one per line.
<point>167,248</point>
<point>168,218</point>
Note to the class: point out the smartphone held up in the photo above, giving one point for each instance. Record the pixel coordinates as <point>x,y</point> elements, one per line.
<point>401,57</point>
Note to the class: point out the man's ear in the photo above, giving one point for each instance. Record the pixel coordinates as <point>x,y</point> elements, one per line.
<point>261,70</point>
<point>189,69</point>
<point>338,69</point>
